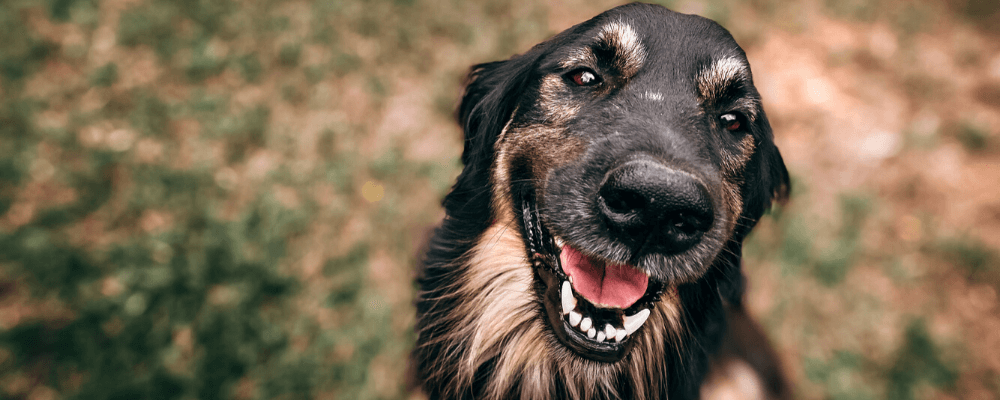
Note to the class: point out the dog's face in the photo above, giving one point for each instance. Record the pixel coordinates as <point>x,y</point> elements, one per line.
<point>631,151</point>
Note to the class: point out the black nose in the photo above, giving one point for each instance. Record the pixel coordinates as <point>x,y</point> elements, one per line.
<point>648,204</point>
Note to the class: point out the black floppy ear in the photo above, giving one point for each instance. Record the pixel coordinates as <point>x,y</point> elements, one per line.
<point>776,182</point>
<point>492,93</point>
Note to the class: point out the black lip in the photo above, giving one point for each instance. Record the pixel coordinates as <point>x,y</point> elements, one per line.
<point>544,256</point>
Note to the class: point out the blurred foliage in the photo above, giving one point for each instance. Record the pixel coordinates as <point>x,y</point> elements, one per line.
<point>918,361</point>
<point>154,277</point>
<point>973,137</point>
<point>182,212</point>
<point>979,262</point>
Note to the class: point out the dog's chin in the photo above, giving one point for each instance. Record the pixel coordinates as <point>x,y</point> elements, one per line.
<point>596,308</point>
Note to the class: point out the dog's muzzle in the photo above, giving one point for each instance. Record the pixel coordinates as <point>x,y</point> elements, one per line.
<point>596,304</point>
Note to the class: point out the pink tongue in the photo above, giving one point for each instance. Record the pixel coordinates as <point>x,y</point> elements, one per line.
<point>609,285</point>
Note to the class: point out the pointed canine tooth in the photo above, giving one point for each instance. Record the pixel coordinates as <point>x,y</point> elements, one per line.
<point>591,332</point>
<point>559,242</point>
<point>600,336</point>
<point>610,331</point>
<point>586,324</point>
<point>633,322</point>
<point>574,318</point>
<point>568,301</point>
<point>620,334</point>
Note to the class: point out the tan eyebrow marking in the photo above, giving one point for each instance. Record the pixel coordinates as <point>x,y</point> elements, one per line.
<point>624,41</point>
<point>722,73</point>
<point>581,56</point>
<point>714,80</point>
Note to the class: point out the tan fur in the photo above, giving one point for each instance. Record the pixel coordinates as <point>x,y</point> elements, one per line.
<point>546,143</point>
<point>547,147</point>
<point>500,317</point>
<point>723,73</point>
<point>501,180</point>
<point>734,162</point>
<point>557,107</point>
<point>578,57</point>
<point>629,52</point>
<point>732,174</point>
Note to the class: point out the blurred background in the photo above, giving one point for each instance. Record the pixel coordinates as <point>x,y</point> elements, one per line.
<point>223,199</point>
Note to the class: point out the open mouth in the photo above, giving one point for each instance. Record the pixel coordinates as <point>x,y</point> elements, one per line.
<point>594,306</point>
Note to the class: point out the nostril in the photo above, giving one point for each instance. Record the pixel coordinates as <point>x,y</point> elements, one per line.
<point>622,201</point>
<point>682,223</point>
<point>689,223</point>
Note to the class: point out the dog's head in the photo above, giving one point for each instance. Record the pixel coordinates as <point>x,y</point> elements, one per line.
<point>632,152</point>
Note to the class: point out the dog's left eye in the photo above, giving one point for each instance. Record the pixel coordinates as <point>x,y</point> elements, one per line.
<point>731,122</point>
<point>584,77</point>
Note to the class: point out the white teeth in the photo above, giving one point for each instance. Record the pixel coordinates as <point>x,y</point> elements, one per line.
<point>559,242</point>
<point>574,318</point>
<point>633,322</point>
<point>610,331</point>
<point>630,323</point>
<point>568,301</point>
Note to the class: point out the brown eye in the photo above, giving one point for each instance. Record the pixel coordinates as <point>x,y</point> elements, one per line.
<point>584,77</point>
<point>731,122</point>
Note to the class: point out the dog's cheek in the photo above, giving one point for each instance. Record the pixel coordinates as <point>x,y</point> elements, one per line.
<point>536,140</point>
<point>547,148</point>
<point>544,141</point>
<point>525,156</point>
<point>555,106</point>
<point>734,168</point>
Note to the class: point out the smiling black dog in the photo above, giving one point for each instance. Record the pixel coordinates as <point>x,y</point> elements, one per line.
<point>592,244</point>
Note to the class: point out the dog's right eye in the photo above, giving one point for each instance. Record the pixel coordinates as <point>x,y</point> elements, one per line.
<point>584,77</point>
